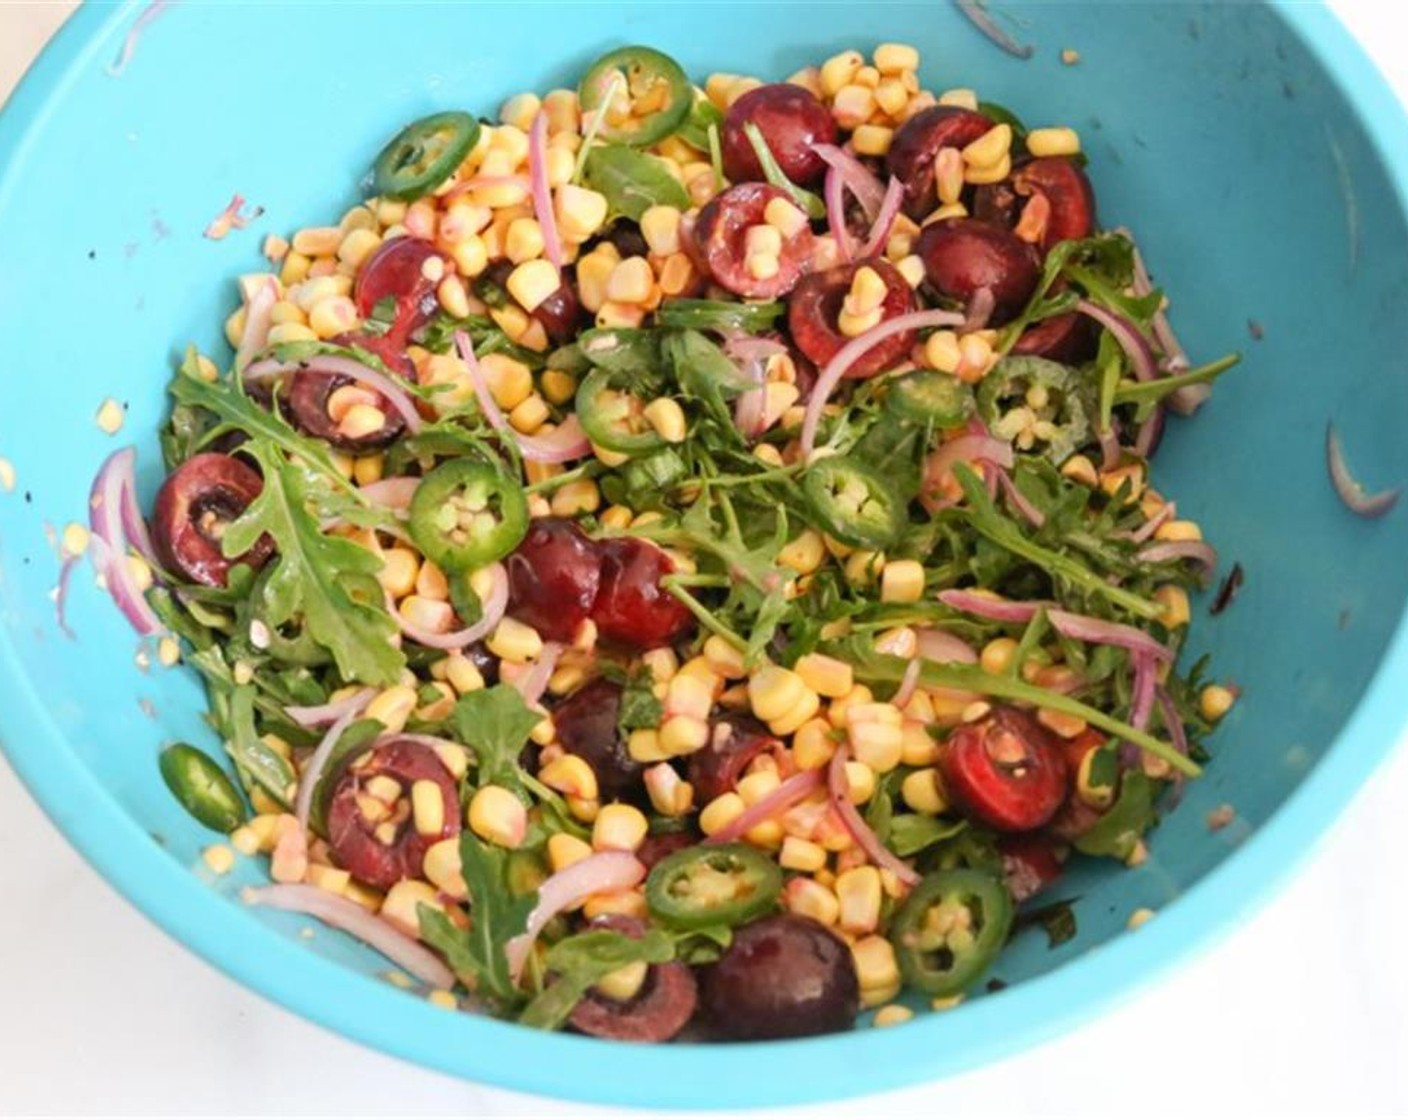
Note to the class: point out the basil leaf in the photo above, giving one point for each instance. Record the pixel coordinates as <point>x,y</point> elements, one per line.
<point>632,181</point>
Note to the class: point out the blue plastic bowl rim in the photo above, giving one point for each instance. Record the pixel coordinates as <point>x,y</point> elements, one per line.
<point>770,1074</point>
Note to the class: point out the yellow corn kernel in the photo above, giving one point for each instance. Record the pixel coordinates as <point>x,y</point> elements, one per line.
<point>558,386</point>
<point>827,676</point>
<point>902,581</point>
<point>442,867</point>
<point>1043,142</point>
<point>858,891</point>
<point>519,110</point>
<point>853,105</point>
<point>812,745</point>
<point>619,828</point>
<point>1080,469</point>
<point>923,793</point>
<point>593,272</point>
<point>895,58</point>
<point>941,351</point>
<point>429,614</point>
<point>532,282</point>
<point>667,418</point>
<point>630,904</point>
<point>575,498</point>
<point>1178,531</point>
<point>774,691</point>
<point>1174,601</point>
<point>860,782</point>
<point>872,139</point>
<point>317,241</point>
<point>676,274</point>
<point>861,568</point>
<point>960,98</point>
<point>801,855</point>
<point>804,553</point>
<point>524,240</point>
<point>981,176</point>
<point>839,70</point>
<point>803,710</point>
<point>757,785</point>
<point>564,850</point>
<point>403,901</point>
<point>836,713</point>
<point>997,655</point>
<point>286,311</point>
<point>464,676</point>
<point>471,255</point>
<point>660,226</point>
<point>427,808</point>
<point>876,735</point>
<point>669,795</point>
<point>497,816</point>
<point>399,567</point>
<point>784,217</point>
<point>219,858</point>
<point>570,775</point>
<point>294,270</point>
<point>643,745</point>
<point>331,879</point>
<point>762,240</point>
<point>357,246</point>
<point>892,1015</point>
<point>514,641</point>
<point>392,707</point>
<point>682,735</point>
<point>1215,701</point>
<point>724,658</point>
<point>876,968</point>
<point>812,900</point>
<point>691,691</point>
<point>563,110</point>
<point>721,812</point>
<point>580,212</point>
<point>631,281</point>
<point>367,469</point>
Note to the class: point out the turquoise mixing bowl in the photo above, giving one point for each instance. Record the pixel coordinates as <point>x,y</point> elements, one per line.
<point>1253,150</point>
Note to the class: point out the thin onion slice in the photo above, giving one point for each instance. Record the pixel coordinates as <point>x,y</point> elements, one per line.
<point>1130,338</point>
<point>603,873</point>
<point>839,790</point>
<point>320,715</point>
<point>973,448</point>
<point>258,318</point>
<point>493,608</point>
<point>1079,627</point>
<point>884,222</point>
<point>541,191</point>
<point>534,682</point>
<point>61,587</point>
<point>856,177</point>
<point>796,788</point>
<point>979,17</point>
<point>750,410</point>
<point>980,309</point>
<point>344,914</point>
<point>1349,489</point>
<point>391,493</point>
<point>134,33</point>
<point>231,218</point>
<point>849,354</point>
<point>909,682</point>
<point>1200,552</point>
<point>1167,512</point>
<point>938,645</point>
<point>833,193</point>
<point>318,760</point>
<point>566,442</point>
<point>113,488</point>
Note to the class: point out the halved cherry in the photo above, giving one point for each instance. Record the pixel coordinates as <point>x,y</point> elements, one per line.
<point>716,768</point>
<point>1068,192</point>
<point>791,120</point>
<point>1029,863</point>
<point>587,726</point>
<point>631,607</point>
<point>963,255</point>
<point>553,578</point>
<point>815,306</point>
<point>194,507</point>
<point>916,143</point>
<point>658,845</point>
<point>1006,771</point>
<point>310,405</point>
<point>1064,338</point>
<point>720,234</point>
<point>657,1012</point>
<point>372,829</point>
<point>397,271</point>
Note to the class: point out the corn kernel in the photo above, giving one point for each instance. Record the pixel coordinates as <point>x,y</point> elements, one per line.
<point>392,707</point>
<point>111,414</point>
<point>660,226</point>
<point>720,813</point>
<point>669,795</point>
<point>803,710</point>
<point>643,745</point>
<point>532,282</point>
<point>630,904</point>
<point>839,70</point>
<point>784,218</point>
<point>877,970</point>
<point>812,745</point>
<point>902,581</point>
<point>564,850</point>
<point>812,900</point>
<point>801,855</point>
<point>875,732</point>
<point>219,858</point>
<point>1043,142</point>
<point>960,98</point>
<point>891,97</point>
<point>1215,701</point>
<point>580,212</point>
<point>682,735</point>
<point>1174,601</point>
<point>427,808</point>
<point>318,241</point>
<point>896,58</point>
<point>403,901</point>
<point>357,246</point>
<point>860,782</point>
<point>853,105</point>
<point>858,891</point>
<point>827,676</point>
<point>923,793</point>
<point>619,828</point>
<point>872,139</point>
<point>513,641</point>
<point>892,1015</point>
<point>677,274</point>
<point>774,691</point>
<point>463,675</point>
<point>497,816</point>
<point>804,553</point>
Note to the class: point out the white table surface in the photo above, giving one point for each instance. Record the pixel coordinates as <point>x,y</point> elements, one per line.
<point>1303,1011</point>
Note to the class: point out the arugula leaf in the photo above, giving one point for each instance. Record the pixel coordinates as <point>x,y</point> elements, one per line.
<point>809,203</point>
<point>479,955</point>
<point>702,946</point>
<point>584,959</point>
<point>1122,825</point>
<point>237,413</point>
<point>695,130</point>
<point>640,708</point>
<point>631,180</point>
<point>314,575</point>
<point>1148,393</point>
<point>259,766</point>
<point>358,736</point>
<point>912,833</point>
<point>496,723</point>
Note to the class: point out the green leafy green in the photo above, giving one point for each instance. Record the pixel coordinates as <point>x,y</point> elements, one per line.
<point>312,575</point>
<point>1120,828</point>
<point>640,708</point>
<point>259,766</point>
<point>1058,919</point>
<point>695,130</point>
<point>496,723</point>
<point>809,203</point>
<point>581,961</point>
<point>631,180</point>
<point>356,738</point>
<point>912,833</point>
<point>479,954</point>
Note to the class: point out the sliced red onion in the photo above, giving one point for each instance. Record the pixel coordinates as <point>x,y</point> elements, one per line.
<point>391,493</point>
<point>856,177</point>
<point>939,645</point>
<point>134,526</point>
<point>980,309</point>
<point>318,760</point>
<point>910,681</point>
<point>751,348</point>
<point>848,355</point>
<point>1079,627</point>
<point>884,223</point>
<point>833,193</point>
<point>258,318</point>
<point>1166,513</point>
<point>134,33</point>
<point>1150,434</point>
<point>980,19</point>
<point>1020,502</point>
<point>346,915</point>
<point>1350,491</point>
<point>986,606</point>
<point>113,489</point>
<point>838,789</point>
<point>796,788</point>
<point>391,389</point>
<point>320,715</point>
<point>563,444</point>
<point>532,684</point>
<point>750,409</point>
<point>1200,552</point>
<point>493,608</point>
<point>542,193</point>
<point>61,595</point>
<point>602,873</point>
<point>1130,338</point>
<point>231,218</point>
<point>1142,702</point>
<point>980,449</point>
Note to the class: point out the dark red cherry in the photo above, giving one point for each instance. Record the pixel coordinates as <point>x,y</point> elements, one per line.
<point>553,578</point>
<point>194,507</point>
<point>813,311</point>
<point>791,120</point>
<point>1006,771</point>
<point>963,255</point>
<point>916,143</point>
